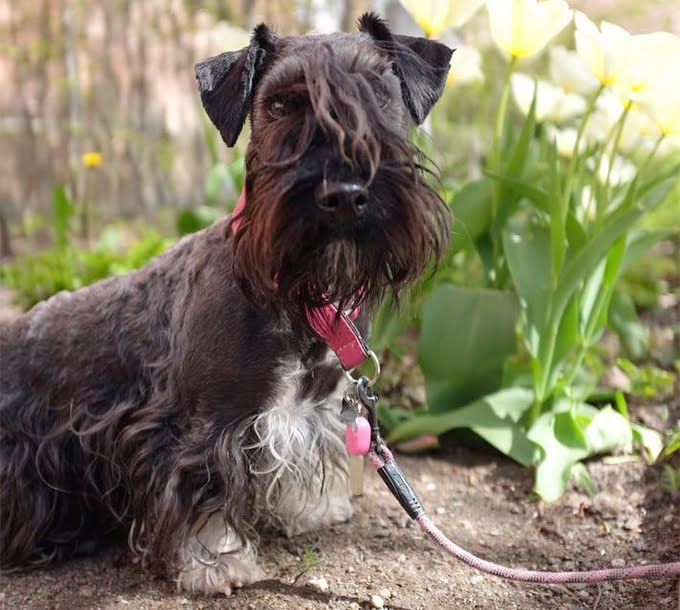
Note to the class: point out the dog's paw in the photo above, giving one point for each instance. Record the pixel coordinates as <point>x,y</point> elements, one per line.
<point>219,578</point>
<point>335,509</point>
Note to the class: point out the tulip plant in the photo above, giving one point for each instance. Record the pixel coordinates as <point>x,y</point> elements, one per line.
<point>575,163</point>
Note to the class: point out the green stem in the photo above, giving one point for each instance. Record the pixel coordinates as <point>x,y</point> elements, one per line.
<point>571,170</point>
<point>496,161</point>
<point>617,141</point>
<point>615,132</point>
<point>652,154</point>
<point>501,115</point>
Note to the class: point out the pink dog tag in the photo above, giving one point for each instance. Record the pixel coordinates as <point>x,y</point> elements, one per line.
<point>358,436</point>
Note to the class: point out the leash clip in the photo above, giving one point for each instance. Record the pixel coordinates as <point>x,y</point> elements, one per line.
<point>369,401</point>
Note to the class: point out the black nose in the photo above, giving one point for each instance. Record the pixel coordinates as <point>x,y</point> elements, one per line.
<point>344,200</point>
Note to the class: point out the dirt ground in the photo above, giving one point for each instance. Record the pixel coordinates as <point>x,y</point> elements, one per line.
<point>481,500</point>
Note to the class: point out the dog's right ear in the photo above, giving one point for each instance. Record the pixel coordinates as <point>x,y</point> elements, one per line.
<point>421,64</point>
<point>227,81</point>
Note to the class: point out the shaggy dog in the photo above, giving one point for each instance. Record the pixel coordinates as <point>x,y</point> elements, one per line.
<point>190,402</point>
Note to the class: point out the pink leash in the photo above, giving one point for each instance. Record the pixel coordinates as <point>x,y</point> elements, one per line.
<point>650,571</point>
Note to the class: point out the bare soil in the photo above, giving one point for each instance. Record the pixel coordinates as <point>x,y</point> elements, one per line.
<point>481,500</point>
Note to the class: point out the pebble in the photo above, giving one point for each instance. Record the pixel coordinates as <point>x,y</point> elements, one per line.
<point>377,601</point>
<point>385,593</point>
<point>86,591</point>
<point>320,584</point>
<point>439,510</point>
<point>401,558</point>
<point>354,606</point>
<point>477,579</point>
<point>618,563</point>
<point>639,545</point>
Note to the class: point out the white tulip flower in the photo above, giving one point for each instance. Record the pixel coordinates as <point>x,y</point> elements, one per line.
<point>564,139</point>
<point>664,109</point>
<point>437,16</point>
<point>647,61</point>
<point>621,171</point>
<point>567,70</point>
<point>552,103</point>
<point>601,49</point>
<point>466,67</point>
<point>522,28</point>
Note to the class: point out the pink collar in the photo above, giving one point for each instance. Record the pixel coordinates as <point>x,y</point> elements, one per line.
<point>339,333</point>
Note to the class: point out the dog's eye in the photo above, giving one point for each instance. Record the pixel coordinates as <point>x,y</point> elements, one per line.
<point>277,108</point>
<point>383,97</point>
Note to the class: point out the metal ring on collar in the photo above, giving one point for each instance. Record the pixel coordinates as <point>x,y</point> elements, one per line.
<point>376,371</point>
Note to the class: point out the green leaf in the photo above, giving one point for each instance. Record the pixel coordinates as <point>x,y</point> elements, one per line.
<point>670,478</point>
<point>608,430</point>
<point>62,210</point>
<point>624,321</point>
<point>673,443</point>
<point>495,418</point>
<point>582,477</point>
<point>191,220</point>
<point>471,208</point>
<point>527,252</point>
<point>640,241</point>
<point>569,434</point>
<point>562,445</point>
<point>650,441</point>
<point>466,335</point>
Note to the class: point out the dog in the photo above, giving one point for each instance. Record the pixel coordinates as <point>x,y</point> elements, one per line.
<point>190,403</point>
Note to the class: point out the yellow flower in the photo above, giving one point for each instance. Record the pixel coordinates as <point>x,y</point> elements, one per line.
<point>92,159</point>
<point>465,67</point>
<point>436,16</point>
<point>522,28</point>
<point>601,49</point>
<point>552,103</point>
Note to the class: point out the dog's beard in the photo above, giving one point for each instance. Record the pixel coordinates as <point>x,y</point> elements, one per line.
<point>286,256</point>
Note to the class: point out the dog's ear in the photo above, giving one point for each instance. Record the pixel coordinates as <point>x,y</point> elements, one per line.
<point>421,64</point>
<point>227,81</point>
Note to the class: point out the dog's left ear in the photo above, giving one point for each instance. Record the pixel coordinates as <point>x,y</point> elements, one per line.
<point>421,64</point>
<point>227,81</point>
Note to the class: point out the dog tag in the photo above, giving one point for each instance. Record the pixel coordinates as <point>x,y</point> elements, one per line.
<point>358,436</point>
<point>356,475</point>
<point>357,442</point>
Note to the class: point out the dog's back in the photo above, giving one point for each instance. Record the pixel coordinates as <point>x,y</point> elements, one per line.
<point>73,371</point>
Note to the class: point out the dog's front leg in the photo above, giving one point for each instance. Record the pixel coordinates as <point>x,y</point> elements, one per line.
<point>326,504</point>
<point>215,561</point>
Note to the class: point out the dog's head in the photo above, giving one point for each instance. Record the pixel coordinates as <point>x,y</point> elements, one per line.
<point>338,207</point>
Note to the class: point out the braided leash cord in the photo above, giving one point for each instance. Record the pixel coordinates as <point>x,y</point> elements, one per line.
<point>381,457</point>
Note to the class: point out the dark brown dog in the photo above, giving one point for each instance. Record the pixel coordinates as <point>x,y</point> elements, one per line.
<point>187,403</point>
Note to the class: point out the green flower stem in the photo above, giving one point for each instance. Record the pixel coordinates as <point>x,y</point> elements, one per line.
<point>652,154</point>
<point>617,141</point>
<point>586,340</point>
<point>571,170</point>
<point>496,159</point>
<point>501,115</point>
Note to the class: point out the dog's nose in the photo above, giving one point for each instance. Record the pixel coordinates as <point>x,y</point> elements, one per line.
<point>344,200</point>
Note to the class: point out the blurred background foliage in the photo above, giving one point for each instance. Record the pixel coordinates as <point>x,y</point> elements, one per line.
<point>556,311</point>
